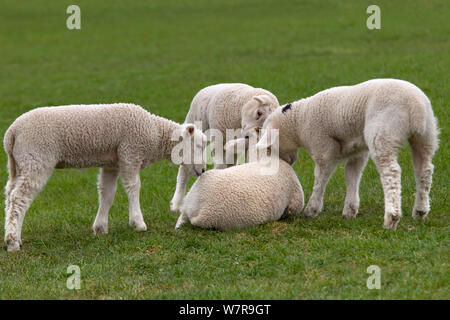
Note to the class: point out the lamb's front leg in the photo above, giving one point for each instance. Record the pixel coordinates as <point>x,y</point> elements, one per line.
<point>182,219</point>
<point>132,184</point>
<point>322,173</point>
<point>353,172</point>
<point>107,186</point>
<point>180,189</point>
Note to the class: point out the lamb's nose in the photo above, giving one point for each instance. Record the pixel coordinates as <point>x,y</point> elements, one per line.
<point>203,170</point>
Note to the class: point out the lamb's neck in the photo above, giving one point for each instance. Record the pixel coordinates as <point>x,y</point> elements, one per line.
<point>293,122</point>
<point>166,144</point>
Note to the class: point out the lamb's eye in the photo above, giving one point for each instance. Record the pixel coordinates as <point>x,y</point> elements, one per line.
<point>259,114</point>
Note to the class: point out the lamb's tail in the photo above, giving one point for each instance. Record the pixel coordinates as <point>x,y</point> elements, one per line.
<point>423,126</point>
<point>418,117</point>
<point>8,143</point>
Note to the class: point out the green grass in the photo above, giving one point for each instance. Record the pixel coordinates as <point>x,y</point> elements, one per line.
<point>159,54</point>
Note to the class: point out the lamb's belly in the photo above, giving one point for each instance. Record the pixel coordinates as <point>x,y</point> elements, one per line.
<point>353,147</point>
<point>104,160</point>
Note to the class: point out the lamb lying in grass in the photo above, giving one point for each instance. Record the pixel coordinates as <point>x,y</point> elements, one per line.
<point>221,107</point>
<point>242,196</point>
<point>376,117</point>
<point>121,138</point>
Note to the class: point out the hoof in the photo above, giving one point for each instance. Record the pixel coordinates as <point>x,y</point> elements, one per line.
<point>13,245</point>
<point>311,212</point>
<point>100,229</point>
<point>419,214</point>
<point>178,225</point>
<point>349,212</point>
<point>141,227</point>
<point>391,222</point>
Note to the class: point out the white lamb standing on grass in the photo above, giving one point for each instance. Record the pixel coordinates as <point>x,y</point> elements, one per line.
<point>242,196</point>
<point>221,107</point>
<point>120,138</point>
<point>376,117</point>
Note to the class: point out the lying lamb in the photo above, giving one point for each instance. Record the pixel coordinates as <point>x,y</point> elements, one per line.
<point>120,138</point>
<point>221,107</point>
<point>241,196</point>
<point>375,117</point>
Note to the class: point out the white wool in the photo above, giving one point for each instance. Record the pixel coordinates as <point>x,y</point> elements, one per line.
<point>375,118</point>
<point>221,107</point>
<point>242,196</point>
<point>120,138</point>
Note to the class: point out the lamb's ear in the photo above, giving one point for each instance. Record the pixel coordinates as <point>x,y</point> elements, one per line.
<point>262,99</point>
<point>269,139</point>
<point>189,129</point>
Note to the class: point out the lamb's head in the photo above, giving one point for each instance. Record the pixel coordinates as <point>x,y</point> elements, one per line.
<point>190,151</point>
<point>255,111</point>
<point>275,135</point>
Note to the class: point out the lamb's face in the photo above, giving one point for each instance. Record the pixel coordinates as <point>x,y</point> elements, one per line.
<point>194,141</point>
<point>275,137</point>
<point>255,112</point>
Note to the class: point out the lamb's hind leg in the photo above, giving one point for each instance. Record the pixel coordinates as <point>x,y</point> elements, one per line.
<point>107,186</point>
<point>384,155</point>
<point>422,154</point>
<point>8,189</point>
<point>27,185</point>
<point>132,184</point>
<point>353,173</point>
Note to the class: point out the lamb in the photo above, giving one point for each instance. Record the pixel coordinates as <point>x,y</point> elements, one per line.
<point>375,118</point>
<point>242,196</point>
<point>121,139</point>
<point>221,107</point>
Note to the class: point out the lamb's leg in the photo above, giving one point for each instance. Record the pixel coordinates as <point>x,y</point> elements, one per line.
<point>132,184</point>
<point>107,185</point>
<point>390,174</point>
<point>27,186</point>
<point>8,189</point>
<point>353,173</point>
<point>182,219</point>
<point>180,190</point>
<point>295,205</point>
<point>422,154</point>
<point>384,136</point>
<point>322,173</point>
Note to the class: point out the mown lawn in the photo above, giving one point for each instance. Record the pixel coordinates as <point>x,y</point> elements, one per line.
<point>159,54</point>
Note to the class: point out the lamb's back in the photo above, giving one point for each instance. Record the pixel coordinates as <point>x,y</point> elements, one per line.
<point>239,196</point>
<point>78,131</point>
<point>342,111</point>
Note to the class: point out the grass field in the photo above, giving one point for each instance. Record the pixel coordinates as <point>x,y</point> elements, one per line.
<point>159,54</point>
